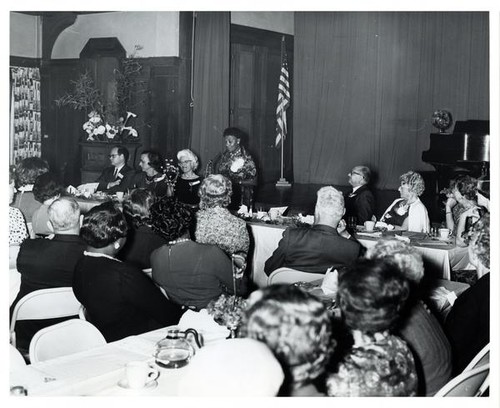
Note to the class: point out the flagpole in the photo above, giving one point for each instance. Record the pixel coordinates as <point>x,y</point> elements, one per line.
<point>282,182</point>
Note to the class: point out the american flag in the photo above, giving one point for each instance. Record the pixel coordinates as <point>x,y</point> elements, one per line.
<point>283,97</point>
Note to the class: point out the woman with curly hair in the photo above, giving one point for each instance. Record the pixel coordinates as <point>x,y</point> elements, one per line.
<point>408,213</point>
<point>188,182</point>
<point>119,299</point>
<point>141,239</point>
<point>18,231</point>
<point>46,190</point>
<point>370,295</point>
<point>418,326</point>
<point>296,326</point>
<point>192,274</point>
<point>27,170</point>
<point>461,203</point>
<point>215,224</point>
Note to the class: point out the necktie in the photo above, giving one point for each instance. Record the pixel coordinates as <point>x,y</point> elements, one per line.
<point>115,173</point>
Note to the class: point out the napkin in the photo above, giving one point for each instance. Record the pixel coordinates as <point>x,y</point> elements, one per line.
<point>329,285</point>
<point>442,297</point>
<point>71,190</point>
<point>88,187</point>
<point>401,238</point>
<point>381,224</point>
<point>243,210</point>
<point>204,324</point>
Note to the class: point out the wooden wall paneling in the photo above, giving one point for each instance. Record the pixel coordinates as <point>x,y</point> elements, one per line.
<point>61,127</point>
<point>165,107</point>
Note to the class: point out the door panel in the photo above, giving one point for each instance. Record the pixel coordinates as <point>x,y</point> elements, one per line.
<point>255,70</point>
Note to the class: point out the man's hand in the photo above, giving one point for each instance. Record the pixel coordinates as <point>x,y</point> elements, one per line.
<point>113,184</point>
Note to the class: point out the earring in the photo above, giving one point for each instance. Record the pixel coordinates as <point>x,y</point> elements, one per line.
<point>117,245</point>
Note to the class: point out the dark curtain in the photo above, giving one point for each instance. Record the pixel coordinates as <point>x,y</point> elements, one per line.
<point>366,85</point>
<point>211,84</point>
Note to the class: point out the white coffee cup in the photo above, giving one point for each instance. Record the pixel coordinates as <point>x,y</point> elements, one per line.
<point>119,195</point>
<point>369,225</point>
<point>139,373</point>
<point>444,233</point>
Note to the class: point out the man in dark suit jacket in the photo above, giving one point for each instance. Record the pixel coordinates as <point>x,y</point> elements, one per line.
<point>360,203</point>
<point>49,263</point>
<point>315,249</point>
<point>118,176</point>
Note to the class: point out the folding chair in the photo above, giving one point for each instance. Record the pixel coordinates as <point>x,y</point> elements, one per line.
<point>472,383</point>
<point>68,337</point>
<point>481,358</point>
<point>45,304</point>
<point>289,275</point>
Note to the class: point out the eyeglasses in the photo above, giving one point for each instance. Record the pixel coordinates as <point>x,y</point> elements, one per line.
<point>113,155</point>
<point>355,172</point>
<point>184,162</point>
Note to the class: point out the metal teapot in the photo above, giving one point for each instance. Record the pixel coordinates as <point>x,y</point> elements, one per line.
<point>177,348</point>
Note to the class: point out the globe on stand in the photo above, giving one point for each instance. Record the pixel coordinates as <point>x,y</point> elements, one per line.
<point>442,120</point>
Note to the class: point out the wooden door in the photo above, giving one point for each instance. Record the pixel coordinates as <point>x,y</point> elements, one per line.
<point>255,70</point>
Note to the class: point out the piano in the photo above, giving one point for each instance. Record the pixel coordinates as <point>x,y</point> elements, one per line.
<point>464,151</point>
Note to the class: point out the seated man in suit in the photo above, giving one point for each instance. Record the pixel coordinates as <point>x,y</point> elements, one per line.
<point>117,176</point>
<point>314,249</point>
<point>49,263</point>
<point>360,203</point>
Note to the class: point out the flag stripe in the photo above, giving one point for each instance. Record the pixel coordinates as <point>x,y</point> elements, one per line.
<point>283,102</point>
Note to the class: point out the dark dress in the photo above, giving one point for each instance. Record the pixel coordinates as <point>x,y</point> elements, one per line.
<point>186,191</point>
<point>193,274</point>
<point>468,323</point>
<point>119,299</point>
<point>141,242</point>
<point>431,349</point>
<point>157,184</point>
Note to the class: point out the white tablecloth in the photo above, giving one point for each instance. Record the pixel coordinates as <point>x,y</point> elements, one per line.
<point>97,371</point>
<point>267,237</point>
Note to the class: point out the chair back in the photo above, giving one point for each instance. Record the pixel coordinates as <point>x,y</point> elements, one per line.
<point>45,304</point>
<point>16,358</point>
<point>472,383</point>
<point>481,358</point>
<point>68,337</point>
<point>289,275</point>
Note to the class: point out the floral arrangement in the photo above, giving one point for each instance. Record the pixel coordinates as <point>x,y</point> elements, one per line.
<point>105,120</point>
<point>98,129</point>
<point>227,310</point>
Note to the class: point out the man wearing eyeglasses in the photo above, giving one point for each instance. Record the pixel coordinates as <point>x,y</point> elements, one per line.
<point>360,203</point>
<point>114,178</point>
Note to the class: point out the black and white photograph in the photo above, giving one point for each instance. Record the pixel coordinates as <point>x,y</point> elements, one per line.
<point>218,201</point>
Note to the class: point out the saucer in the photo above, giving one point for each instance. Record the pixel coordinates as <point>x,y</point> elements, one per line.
<point>443,239</point>
<point>123,383</point>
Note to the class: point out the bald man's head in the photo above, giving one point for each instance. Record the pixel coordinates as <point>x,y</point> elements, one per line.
<point>64,215</point>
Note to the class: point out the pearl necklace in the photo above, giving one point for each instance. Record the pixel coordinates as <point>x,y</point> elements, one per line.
<point>178,241</point>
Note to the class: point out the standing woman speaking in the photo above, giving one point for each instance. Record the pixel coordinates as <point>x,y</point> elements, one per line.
<point>237,165</point>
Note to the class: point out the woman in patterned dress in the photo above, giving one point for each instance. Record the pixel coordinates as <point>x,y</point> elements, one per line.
<point>371,294</point>
<point>215,224</point>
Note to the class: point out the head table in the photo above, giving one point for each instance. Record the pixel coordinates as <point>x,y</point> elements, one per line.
<point>97,371</point>
<point>266,237</point>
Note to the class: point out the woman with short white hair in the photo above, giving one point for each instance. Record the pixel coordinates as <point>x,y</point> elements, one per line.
<point>187,185</point>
